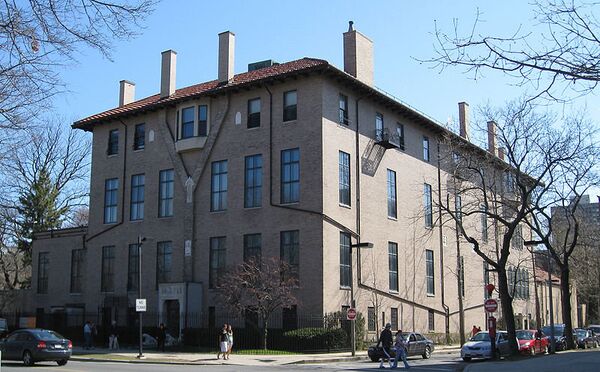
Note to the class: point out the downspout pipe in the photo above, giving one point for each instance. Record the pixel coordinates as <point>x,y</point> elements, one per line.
<point>441,240</point>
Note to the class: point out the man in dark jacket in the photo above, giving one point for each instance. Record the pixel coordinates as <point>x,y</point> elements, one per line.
<point>386,339</point>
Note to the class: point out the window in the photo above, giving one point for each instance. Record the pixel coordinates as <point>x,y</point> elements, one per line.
<point>486,279</point>
<point>425,148</point>
<point>290,105</point>
<point>517,238</point>
<point>289,250</point>
<point>345,260</point>
<point>371,319</point>
<point>400,133</point>
<point>254,113</point>
<point>252,247</point>
<point>431,321</point>
<point>133,268</point>
<point>253,182</point>
<point>429,273</point>
<point>344,185</point>
<point>165,193</point>
<point>137,197</point>
<point>378,126</point>
<point>343,115</point>
<point>484,222</point>
<point>394,318</point>
<point>458,208</point>
<point>393,266</point>
<point>107,282</point>
<point>139,138</point>
<point>461,275</point>
<point>216,261</point>
<point>290,176</point>
<point>218,188</point>
<point>391,194</point>
<point>203,120</point>
<point>113,142</point>
<point>187,122</point>
<point>428,205</point>
<point>77,261</point>
<point>111,187</point>
<point>43,263</point>
<point>164,260</point>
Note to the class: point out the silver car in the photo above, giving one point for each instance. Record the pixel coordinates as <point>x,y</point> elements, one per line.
<point>480,346</point>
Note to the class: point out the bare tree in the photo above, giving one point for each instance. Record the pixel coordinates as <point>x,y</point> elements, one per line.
<point>38,37</point>
<point>559,52</point>
<point>260,286</point>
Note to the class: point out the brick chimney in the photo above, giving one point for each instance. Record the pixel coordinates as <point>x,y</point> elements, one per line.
<point>463,119</point>
<point>358,55</point>
<point>501,153</point>
<point>491,132</point>
<point>226,56</point>
<point>167,73</point>
<point>126,92</point>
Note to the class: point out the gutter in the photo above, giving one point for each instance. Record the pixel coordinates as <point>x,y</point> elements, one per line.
<point>441,239</point>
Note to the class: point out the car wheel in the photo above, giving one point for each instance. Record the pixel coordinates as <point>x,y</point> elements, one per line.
<point>27,359</point>
<point>62,362</point>
<point>374,359</point>
<point>427,353</point>
<point>467,359</point>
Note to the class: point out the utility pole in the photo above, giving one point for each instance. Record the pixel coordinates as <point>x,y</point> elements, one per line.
<point>552,340</point>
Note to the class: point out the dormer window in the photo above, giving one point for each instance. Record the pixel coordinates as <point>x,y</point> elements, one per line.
<point>187,122</point>
<point>192,127</point>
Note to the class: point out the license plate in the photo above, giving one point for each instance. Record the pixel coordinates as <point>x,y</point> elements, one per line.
<point>58,346</point>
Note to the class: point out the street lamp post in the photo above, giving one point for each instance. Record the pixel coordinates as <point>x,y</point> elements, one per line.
<point>552,340</point>
<point>141,239</point>
<point>358,245</point>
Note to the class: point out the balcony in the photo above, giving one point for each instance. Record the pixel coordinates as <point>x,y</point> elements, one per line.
<point>387,139</point>
<point>190,144</point>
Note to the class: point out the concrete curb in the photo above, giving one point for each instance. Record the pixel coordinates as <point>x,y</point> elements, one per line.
<point>206,363</point>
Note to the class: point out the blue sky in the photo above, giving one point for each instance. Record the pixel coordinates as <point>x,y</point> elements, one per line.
<point>402,32</point>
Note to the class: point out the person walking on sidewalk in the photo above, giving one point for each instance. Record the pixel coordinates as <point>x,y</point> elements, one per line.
<point>401,350</point>
<point>87,334</point>
<point>386,339</point>
<point>113,339</point>
<point>229,339</point>
<point>161,337</point>
<point>223,345</point>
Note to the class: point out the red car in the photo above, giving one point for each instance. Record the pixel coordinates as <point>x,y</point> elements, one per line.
<point>532,342</point>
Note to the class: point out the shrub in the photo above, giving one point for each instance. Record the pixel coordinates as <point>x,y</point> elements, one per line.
<point>312,339</point>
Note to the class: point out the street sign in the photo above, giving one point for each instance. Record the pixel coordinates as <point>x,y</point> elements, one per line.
<point>351,314</point>
<point>140,305</point>
<point>490,305</point>
<point>492,327</point>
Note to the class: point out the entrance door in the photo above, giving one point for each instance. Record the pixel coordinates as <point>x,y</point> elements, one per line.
<point>172,310</point>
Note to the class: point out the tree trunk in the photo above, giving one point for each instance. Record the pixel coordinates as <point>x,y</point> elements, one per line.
<point>507,310</point>
<point>566,304</point>
<point>265,333</point>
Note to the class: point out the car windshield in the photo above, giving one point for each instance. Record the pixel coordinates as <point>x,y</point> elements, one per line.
<point>44,334</point>
<point>581,333</point>
<point>558,330</point>
<point>595,329</point>
<point>481,336</point>
<point>404,335</point>
<point>525,335</point>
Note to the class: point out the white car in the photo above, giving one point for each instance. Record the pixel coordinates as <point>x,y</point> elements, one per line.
<point>480,346</point>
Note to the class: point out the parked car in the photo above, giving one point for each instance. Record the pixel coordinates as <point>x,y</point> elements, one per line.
<point>584,338</point>
<point>596,332</point>
<point>532,342</point>
<point>3,328</point>
<point>417,345</point>
<point>480,346</point>
<point>560,340</point>
<point>36,345</point>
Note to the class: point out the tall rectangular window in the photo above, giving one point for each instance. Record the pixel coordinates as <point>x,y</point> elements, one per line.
<point>393,266</point>
<point>289,250</point>
<point>343,113</point>
<point>426,148</point>
<point>345,260</point>
<point>484,222</point>
<point>290,176</point>
<point>517,238</point>
<point>461,275</point>
<point>77,262</point>
<point>431,321</point>
<point>43,263</point>
<point>133,268</point>
<point>253,182</point>
<point>378,126</point>
<point>391,194</point>
<point>137,197</point>
<point>253,113</point>
<point>427,205</point>
<point>458,207</point>
<point>400,134</point>
<point>394,318</point>
<point>344,178</point>
<point>290,105</point>
<point>429,272</point>
<point>113,142</point>
<point>165,193</point>
<point>486,278</point>
<point>218,188</point>
<point>216,261</point>
<point>252,248</point>
<point>203,120</point>
<point>187,122</point>
<point>371,319</point>
<point>139,139</point>
<point>107,280</point>
<point>111,187</point>
<point>164,262</point>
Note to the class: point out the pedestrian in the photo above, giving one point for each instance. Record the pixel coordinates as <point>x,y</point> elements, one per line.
<point>87,334</point>
<point>386,339</point>
<point>93,334</point>
<point>478,329</point>
<point>162,336</point>
<point>401,350</point>
<point>229,339</point>
<point>113,339</point>
<point>475,330</point>
<point>223,345</point>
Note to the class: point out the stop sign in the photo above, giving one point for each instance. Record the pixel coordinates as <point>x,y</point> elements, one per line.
<point>351,314</point>
<point>490,305</point>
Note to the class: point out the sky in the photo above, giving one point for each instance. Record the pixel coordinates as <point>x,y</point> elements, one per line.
<point>402,32</point>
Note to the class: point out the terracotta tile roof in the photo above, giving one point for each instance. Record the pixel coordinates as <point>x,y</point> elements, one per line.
<point>297,66</point>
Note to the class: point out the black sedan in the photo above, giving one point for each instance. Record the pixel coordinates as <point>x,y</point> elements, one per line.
<point>36,345</point>
<point>584,338</point>
<point>417,345</point>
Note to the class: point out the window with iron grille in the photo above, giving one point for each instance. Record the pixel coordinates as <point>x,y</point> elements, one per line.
<point>431,321</point>
<point>345,260</point>
<point>139,139</point>
<point>113,142</point>
<point>43,263</point>
<point>111,187</point>
<point>77,262</point>
<point>393,266</point>
<point>137,197</point>
<point>290,176</point>
<point>290,105</point>
<point>107,282</point>
<point>344,178</point>
<point>371,319</point>
<point>218,200</point>
<point>164,262</point>
<point>253,182</point>
<point>427,203</point>
<point>430,274</point>
<point>252,247</point>
<point>394,318</point>
<point>133,268</point>
<point>166,179</point>
<point>343,113</point>
<point>253,113</point>
<point>289,250</point>
<point>216,261</point>
<point>391,194</point>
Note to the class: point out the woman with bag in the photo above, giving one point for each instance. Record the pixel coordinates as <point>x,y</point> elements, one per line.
<point>223,344</point>
<point>229,340</point>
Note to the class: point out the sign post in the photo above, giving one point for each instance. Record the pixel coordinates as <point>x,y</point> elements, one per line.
<point>491,305</point>
<point>351,314</point>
